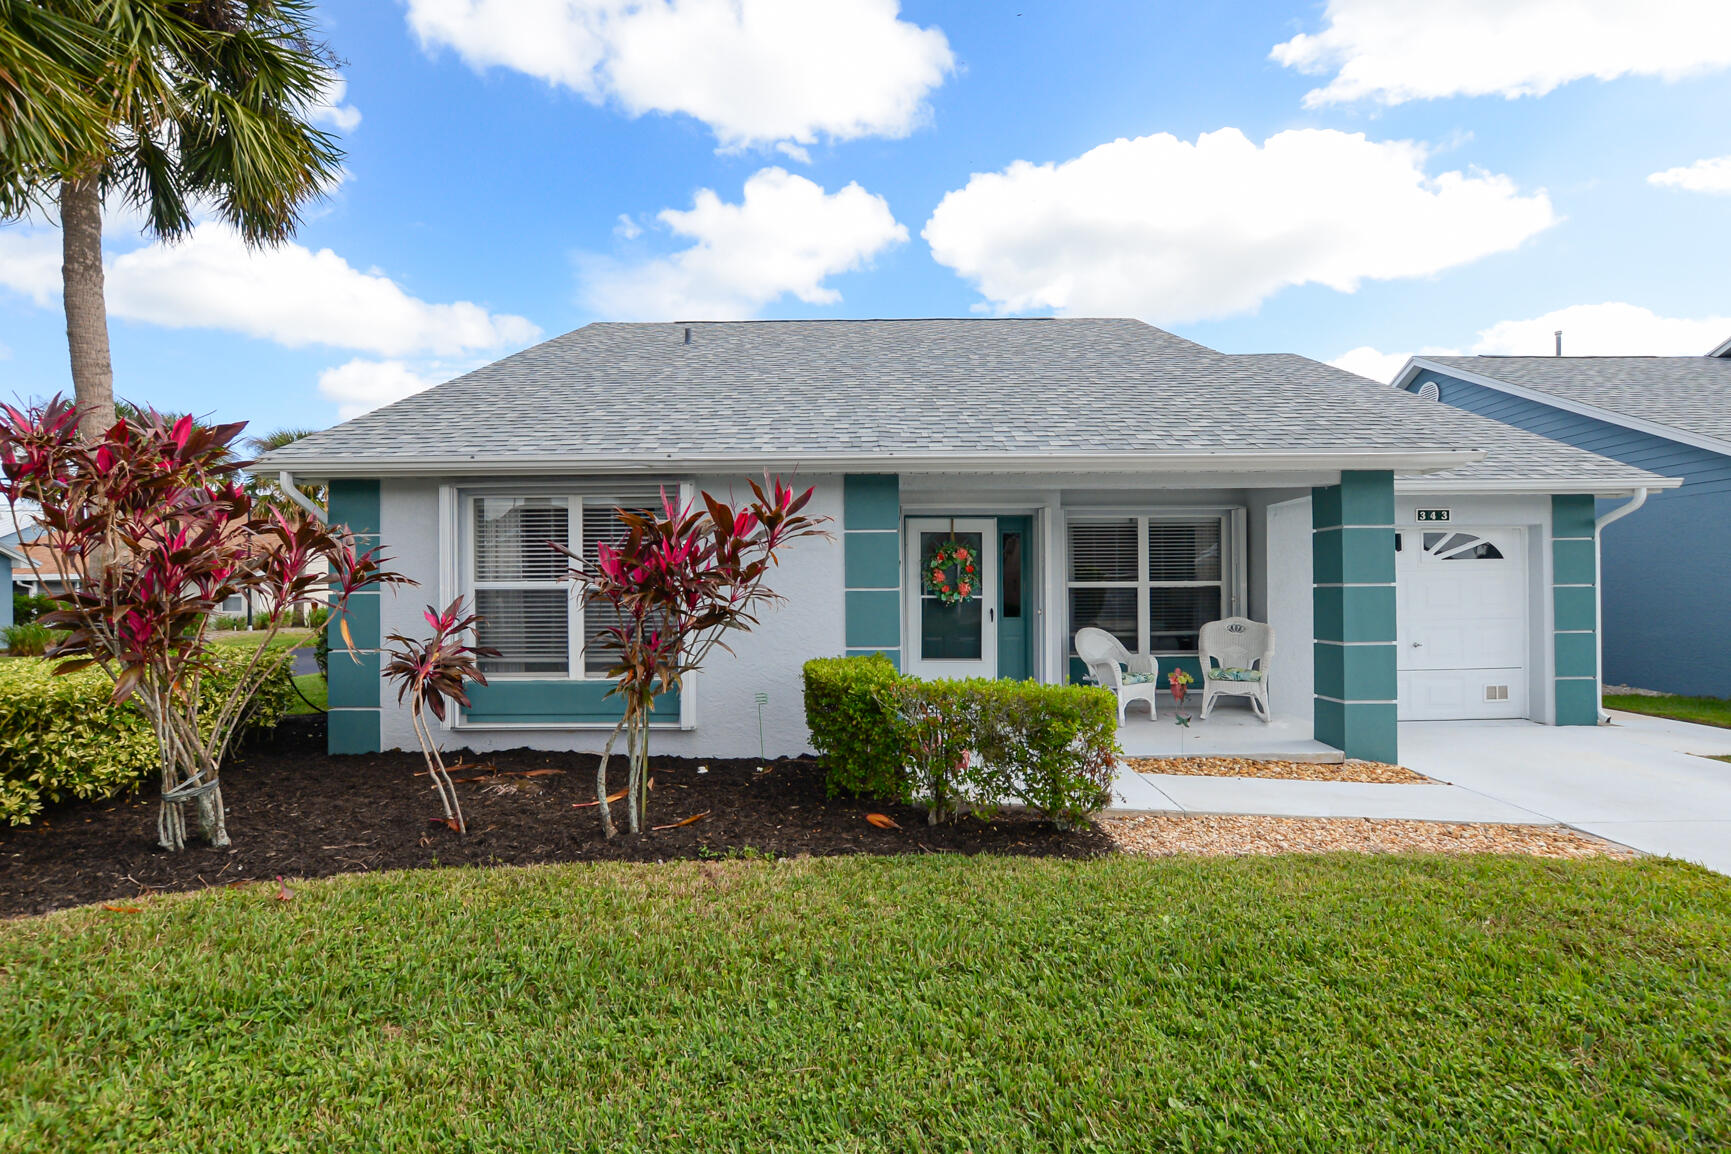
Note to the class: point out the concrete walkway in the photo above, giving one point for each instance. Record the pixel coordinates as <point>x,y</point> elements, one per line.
<point>1641,781</point>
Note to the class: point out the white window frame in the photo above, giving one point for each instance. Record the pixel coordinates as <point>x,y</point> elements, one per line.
<point>457,560</point>
<point>1232,566</point>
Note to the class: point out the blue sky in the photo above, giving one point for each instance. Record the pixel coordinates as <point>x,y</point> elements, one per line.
<point>1464,176</point>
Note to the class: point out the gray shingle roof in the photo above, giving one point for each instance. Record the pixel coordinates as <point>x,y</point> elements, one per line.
<point>1691,394</point>
<point>1511,453</point>
<point>974,386</point>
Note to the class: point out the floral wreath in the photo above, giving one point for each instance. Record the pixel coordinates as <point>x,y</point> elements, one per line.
<point>940,583</point>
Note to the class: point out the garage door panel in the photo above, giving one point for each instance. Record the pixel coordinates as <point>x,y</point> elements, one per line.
<point>1462,599</point>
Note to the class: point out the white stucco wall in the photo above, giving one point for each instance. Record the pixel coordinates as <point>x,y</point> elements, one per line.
<point>768,660</point>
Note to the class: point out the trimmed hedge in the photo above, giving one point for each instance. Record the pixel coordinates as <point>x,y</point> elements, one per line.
<point>62,737</point>
<point>975,744</point>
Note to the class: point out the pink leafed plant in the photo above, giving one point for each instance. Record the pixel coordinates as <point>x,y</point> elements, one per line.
<point>431,673</point>
<point>677,584</point>
<point>156,530</point>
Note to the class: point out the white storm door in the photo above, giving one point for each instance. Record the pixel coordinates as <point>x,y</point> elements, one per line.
<point>952,640</point>
<point>1462,613</point>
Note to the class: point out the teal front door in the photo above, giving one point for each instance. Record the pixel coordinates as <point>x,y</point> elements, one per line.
<point>1015,598</point>
<point>952,633</point>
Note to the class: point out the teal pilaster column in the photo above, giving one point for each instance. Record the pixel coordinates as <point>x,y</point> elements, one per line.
<point>872,564</point>
<point>1575,608</point>
<point>1352,549</point>
<point>354,673</point>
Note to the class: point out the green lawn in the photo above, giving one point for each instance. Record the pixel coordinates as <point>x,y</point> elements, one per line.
<point>928,1003</point>
<point>293,638</point>
<point>1702,710</point>
<point>315,692</point>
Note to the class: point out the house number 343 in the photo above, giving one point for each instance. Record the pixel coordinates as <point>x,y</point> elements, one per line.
<point>1433,514</point>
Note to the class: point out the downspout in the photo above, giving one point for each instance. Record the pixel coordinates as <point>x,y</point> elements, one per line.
<point>1617,514</point>
<point>286,481</point>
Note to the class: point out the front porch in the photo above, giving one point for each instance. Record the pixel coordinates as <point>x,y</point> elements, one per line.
<point>1231,730</point>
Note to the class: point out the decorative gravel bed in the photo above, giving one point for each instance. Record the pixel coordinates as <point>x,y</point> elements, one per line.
<point>1161,835</point>
<point>1372,771</point>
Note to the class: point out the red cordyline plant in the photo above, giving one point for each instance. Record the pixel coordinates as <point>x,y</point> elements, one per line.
<point>676,585</point>
<point>155,529</point>
<point>429,673</point>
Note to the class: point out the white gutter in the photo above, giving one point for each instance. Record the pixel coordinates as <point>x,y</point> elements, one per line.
<point>1622,511</point>
<point>1617,514</point>
<point>882,461</point>
<point>286,480</point>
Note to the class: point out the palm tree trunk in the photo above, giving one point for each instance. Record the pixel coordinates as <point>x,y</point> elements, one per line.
<point>86,312</point>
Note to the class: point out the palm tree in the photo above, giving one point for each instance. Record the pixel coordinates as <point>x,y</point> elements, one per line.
<point>202,106</point>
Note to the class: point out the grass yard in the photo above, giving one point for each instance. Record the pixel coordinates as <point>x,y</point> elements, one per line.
<point>923,1003</point>
<point>1701,710</point>
<point>289,638</point>
<point>315,694</point>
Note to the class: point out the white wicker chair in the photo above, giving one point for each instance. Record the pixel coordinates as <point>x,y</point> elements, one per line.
<point>1103,653</point>
<point>1236,643</point>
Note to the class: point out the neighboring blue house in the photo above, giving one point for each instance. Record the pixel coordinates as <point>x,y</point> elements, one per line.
<point>8,558</point>
<point>1666,608</point>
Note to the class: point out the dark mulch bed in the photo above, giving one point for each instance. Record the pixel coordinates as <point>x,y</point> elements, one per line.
<point>294,812</point>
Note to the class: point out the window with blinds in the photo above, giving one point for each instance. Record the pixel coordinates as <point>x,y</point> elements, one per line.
<point>1152,582</point>
<point>519,583</point>
<point>531,613</point>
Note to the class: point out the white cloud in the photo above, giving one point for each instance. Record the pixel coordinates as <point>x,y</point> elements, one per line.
<point>1393,53</point>
<point>295,296</point>
<point>359,386</point>
<point>1368,362</point>
<point>1172,231</point>
<point>30,263</point>
<point>1710,175</point>
<point>331,112</point>
<point>756,71</point>
<point>1604,330</point>
<point>787,235</point>
<point>627,229</point>
<point>291,294</point>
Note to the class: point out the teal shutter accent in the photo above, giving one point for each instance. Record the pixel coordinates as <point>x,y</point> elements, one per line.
<point>1575,608</point>
<point>354,675</point>
<point>1352,549</point>
<point>871,564</point>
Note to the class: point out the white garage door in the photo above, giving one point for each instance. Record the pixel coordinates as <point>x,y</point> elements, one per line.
<point>1462,600</point>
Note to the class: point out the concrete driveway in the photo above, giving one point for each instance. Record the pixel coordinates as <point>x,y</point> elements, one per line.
<point>1640,781</point>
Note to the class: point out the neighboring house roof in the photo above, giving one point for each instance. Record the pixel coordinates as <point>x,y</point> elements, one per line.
<point>1511,453</point>
<point>12,554</point>
<point>1667,395</point>
<point>946,395</point>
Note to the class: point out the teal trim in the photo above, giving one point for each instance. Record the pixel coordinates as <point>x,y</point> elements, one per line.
<point>895,655</point>
<point>362,614</point>
<point>1355,672</point>
<point>1359,729</point>
<point>354,679</point>
<point>1577,654</point>
<point>355,504</point>
<point>1575,608</point>
<point>874,619</point>
<point>1366,497</point>
<point>1354,613</point>
<point>872,560</point>
<point>1325,507</point>
<point>1016,634</point>
<point>1353,556</point>
<point>1573,561</point>
<point>352,731</point>
<point>1572,515</point>
<point>871,501</point>
<point>554,703</point>
<point>1577,701</point>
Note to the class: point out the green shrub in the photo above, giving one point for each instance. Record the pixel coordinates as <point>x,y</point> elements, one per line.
<point>978,744</point>
<point>30,639</point>
<point>322,641</point>
<point>27,607</point>
<point>62,737</point>
<point>854,728</point>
